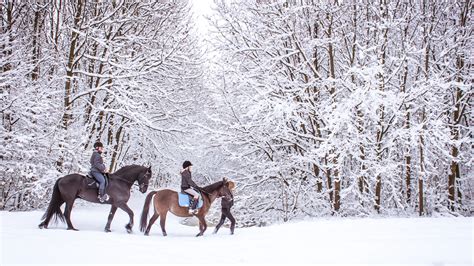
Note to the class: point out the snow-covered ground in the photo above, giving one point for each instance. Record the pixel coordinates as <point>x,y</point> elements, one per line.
<point>421,241</point>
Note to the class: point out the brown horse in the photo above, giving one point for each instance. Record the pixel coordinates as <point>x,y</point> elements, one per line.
<point>68,188</point>
<point>167,200</point>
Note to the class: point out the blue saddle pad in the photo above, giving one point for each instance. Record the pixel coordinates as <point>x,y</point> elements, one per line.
<point>184,199</point>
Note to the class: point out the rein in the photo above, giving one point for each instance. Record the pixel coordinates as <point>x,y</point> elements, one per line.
<point>123,180</point>
<point>204,192</point>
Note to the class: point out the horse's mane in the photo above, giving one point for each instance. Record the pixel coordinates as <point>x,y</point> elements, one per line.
<point>125,169</point>
<point>213,187</point>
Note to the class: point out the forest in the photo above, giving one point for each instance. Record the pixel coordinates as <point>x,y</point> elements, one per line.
<point>313,107</point>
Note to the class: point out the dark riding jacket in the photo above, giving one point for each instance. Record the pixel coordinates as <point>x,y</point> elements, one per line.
<point>97,163</point>
<point>186,181</point>
<point>227,203</point>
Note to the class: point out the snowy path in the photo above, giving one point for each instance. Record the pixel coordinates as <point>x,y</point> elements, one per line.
<point>428,241</point>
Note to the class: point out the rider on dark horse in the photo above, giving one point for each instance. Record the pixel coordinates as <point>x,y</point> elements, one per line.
<point>98,170</point>
<point>188,186</point>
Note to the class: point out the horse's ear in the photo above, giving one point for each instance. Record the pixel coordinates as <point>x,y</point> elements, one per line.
<point>149,169</point>
<point>224,180</point>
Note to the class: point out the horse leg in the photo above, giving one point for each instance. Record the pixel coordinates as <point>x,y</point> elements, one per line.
<point>151,222</point>
<point>202,225</point>
<point>162,223</point>
<point>127,209</point>
<point>113,209</point>
<point>67,214</point>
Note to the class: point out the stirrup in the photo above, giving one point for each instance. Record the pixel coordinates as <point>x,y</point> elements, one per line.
<point>103,198</point>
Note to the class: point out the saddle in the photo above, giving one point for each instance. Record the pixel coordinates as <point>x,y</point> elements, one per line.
<point>184,200</point>
<point>92,182</point>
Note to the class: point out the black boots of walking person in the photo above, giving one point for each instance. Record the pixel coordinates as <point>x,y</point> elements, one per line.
<point>226,214</point>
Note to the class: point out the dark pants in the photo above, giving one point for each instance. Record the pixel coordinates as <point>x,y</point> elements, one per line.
<point>226,214</point>
<point>101,179</point>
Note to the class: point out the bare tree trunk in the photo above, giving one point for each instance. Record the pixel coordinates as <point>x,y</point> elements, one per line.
<point>284,192</point>
<point>329,182</point>
<point>117,146</point>
<point>71,62</point>
<point>319,181</point>
<point>362,180</point>
<point>454,168</point>
<point>455,175</point>
<point>337,196</point>
<point>422,171</point>
<point>37,26</point>
<point>332,91</point>
<point>380,128</point>
<point>56,22</point>
<point>407,156</point>
<point>98,78</point>
<point>67,115</point>
<point>54,30</point>
<point>421,210</point>
<point>6,27</point>
<point>313,119</point>
<point>422,161</point>
<point>407,122</point>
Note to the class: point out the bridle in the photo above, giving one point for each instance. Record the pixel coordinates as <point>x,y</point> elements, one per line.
<point>146,176</point>
<point>219,194</point>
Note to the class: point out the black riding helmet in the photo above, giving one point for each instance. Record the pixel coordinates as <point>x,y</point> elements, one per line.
<point>186,164</point>
<point>98,144</point>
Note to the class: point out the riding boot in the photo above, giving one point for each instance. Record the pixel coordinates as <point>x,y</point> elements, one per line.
<point>103,197</point>
<point>192,208</point>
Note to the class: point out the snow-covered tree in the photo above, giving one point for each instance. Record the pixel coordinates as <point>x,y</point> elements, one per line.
<point>75,72</point>
<point>344,107</point>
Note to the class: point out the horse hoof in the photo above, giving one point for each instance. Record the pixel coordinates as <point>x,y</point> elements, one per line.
<point>42,226</point>
<point>165,234</point>
<point>107,230</point>
<point>146,233</point>
<point>129,230</point>
<point>72,229</point>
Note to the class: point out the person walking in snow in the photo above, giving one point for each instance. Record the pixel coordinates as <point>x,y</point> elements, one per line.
<point>226,204</point>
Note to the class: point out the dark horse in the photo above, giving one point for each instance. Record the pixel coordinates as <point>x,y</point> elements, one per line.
<point>167,200</point>
<point>68,188</point>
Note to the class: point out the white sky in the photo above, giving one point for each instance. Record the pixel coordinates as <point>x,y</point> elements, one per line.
<point>202,8</point>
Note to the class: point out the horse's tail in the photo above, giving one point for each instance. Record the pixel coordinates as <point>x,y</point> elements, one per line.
<point>146,207</point>
<point>54,208</point>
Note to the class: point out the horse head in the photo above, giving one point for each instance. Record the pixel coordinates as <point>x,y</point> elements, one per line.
<point>225,189</point>
<point>144,179</point>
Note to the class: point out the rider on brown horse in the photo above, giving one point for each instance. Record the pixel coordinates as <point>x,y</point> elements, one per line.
<point>188,186</point>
